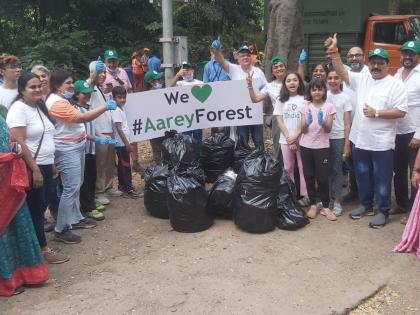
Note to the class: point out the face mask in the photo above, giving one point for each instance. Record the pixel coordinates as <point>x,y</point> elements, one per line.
<point>158,86</point>
<point>112,71</point>
<point>68,95</point>
<point>189,78</point>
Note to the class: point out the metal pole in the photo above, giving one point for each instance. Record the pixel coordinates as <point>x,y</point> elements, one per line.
<point>167,40</point>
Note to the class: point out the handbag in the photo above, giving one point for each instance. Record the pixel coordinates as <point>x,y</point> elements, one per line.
<point>30,173</point>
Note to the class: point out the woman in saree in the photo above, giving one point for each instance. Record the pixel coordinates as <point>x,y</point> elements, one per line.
<point>21,259</point>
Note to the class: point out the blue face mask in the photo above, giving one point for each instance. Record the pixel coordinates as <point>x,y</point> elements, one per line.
<point>68,95</point>
<point>158,86</point>
<point>189,78</point>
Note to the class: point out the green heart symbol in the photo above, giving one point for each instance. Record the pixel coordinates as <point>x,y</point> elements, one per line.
<point>201,93</point>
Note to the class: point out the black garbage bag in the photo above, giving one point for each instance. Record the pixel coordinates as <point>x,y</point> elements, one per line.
<point>242,150</point>
<point>156,191</point>
<point>216,155</point>
<point>220,201</point>
<point>256,191</point>
<point>289,215</point>
<point>179,150</point>
<point>187,199</point>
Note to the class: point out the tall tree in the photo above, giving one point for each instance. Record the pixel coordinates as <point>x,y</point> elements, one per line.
<point>285,32</point>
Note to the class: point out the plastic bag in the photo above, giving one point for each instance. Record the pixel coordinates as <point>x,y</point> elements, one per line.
<point>289,215</point>
<point>256,191</point>
<point>216,155</point>
<point>156,190</point>
<point>241,152</point>
<point>220,201</point>
<point>187,199</point>
<point>178,150</point>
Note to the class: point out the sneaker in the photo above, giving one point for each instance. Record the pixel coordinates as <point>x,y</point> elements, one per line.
<point>350,196</point>
<point>53,257</point>
<point>85,223</point>
<point>337,209</point>
<point>304,202</point>
<point>67,237</point>
<point>133,194</point>
<point>96,215</point>
<point>138,168</point>
<point>360,212</point>
<point>312,212</point>
<point>328,214</point>
<point>378,221</point>
<point>114,192</point>
<point>101,199</point>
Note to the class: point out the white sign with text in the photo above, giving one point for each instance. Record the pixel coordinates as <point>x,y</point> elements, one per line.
<point>184,108</point>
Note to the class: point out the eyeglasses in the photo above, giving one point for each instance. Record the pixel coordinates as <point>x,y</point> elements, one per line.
<point>354,56</point>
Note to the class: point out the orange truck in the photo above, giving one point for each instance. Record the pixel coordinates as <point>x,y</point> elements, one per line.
<point>361,23</point>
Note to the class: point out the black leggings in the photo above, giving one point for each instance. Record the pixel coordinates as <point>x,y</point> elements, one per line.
<point>316,171</point>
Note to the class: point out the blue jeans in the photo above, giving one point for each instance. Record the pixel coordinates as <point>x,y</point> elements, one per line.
<point>257,134</point>
<point>374,171</point>
<point>71,165</point>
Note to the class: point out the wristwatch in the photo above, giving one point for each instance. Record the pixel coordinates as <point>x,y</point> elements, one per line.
<point>376,113</point>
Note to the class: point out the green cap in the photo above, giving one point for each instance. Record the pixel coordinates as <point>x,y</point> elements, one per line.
<point>378,52</point>
<point>110,54</point>
<point>186,64</point>
<point>152,75</point>
<point>411,46</point>
<point>244,48</point>
<point>277,59</point>
<point>82,86</point>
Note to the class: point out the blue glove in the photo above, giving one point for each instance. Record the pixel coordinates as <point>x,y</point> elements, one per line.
<point>320,117</point>
<point>100,66</point>
<point>101,140</point>
<point>114,142</point>
<point>110,104</point>
<point>303,57</point>
<point>217,44</point>
<point>309,119</point>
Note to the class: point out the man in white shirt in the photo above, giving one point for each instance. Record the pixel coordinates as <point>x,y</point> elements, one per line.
<point>381,100</point>
<point>240,72</point>
<point>407,141</point>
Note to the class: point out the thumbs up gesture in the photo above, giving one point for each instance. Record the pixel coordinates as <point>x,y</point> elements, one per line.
<point>217,44</point>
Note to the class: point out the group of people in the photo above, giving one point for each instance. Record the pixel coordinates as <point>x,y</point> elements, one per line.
<point>351,119</point>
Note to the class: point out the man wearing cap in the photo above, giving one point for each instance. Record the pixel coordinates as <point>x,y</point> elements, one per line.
<point>381,100</point>
<point>407,141</point>
<point>115,76</point>
<point>240,72</point>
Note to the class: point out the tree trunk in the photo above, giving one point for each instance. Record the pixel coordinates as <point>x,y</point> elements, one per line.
<point>393,6</point>
<point>285,32</point>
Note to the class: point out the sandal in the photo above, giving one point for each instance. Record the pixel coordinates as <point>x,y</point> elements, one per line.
<point>312,212</point>
<point>328,214</point>
<point>99,207</point>
<point>96,215</point>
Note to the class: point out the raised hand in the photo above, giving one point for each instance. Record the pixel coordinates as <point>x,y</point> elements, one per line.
<point>249,79</point>
<point>110,104</point>
<point>309,118</point>
<point>100,66</point>
<point>303,56</point>
<point>321,119</point>
<point>331,42</point>
<point>217,44</point>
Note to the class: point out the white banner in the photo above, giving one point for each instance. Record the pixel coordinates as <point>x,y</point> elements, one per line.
<point>217,104</point>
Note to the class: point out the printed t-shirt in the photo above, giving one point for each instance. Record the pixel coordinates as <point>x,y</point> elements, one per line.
<point>69,134</point>
<point>291,114</point>
<point>22,115</point>
<point>118,116</point>
<point>342,104</point>
<point>376,134</point>
<point>7,96</point>
<point>411,121</point>
<point>316,137</point>
<point>120,74</point>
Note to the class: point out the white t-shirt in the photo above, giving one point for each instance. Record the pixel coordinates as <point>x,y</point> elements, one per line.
<point>118,116</point>
<point>291,114</point>
<point>273,90</point>
<point>103,123</point>
<point>376,134</point>
<point>259,80</point>
<point>411,121</point>
<point>352,94</point>
<point>22,115</point>
<point>7,96</point>
<point>342,104</point>
<point>184,83</point>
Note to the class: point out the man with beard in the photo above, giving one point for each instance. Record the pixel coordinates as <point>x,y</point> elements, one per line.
<point>407,141</point>
<point>355,62</point>
<point>381,100</point>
